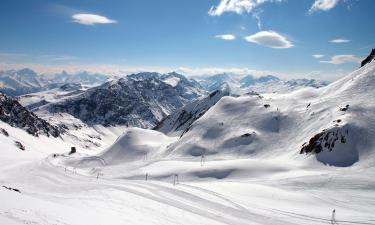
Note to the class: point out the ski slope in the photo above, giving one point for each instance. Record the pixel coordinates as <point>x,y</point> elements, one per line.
<point>239,163</point>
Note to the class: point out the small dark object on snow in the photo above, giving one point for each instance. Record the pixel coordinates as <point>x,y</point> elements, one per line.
<point>246,135</point>
<point>12,189</point>
<point>345,108</point>
<point>337,121</point>
<point>267,106</point>
<point>3,131</point>
<point>20,145</point>
<point>72,150</point>
<point>308,106</point>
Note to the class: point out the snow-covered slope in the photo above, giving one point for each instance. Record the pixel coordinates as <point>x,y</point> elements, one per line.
<point>337,122</point>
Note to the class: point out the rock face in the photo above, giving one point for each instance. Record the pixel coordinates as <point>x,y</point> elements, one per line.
<point>139,100</point>
<point>13,113</point>
<point>369,58</point>
<point>325,140</point>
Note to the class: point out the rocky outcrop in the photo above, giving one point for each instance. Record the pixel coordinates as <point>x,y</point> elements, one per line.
<point>13,113</point>
<point>325,140</point>
<point>369,58</point>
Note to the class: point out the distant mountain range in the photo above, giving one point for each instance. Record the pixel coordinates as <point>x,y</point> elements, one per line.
<point>25,81</point>
<point>237,84</point>
<point>140,100</point>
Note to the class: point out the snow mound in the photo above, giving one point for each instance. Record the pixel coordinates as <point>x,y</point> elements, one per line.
<point>135,144</point>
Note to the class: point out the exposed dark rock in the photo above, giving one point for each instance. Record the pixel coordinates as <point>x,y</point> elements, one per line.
<point>344,108</point>
<point>325,140</point>
<point>369,58</point>
<point>13,113</point>
<point>20,145</point>
<point>12,189</point>
<point>4,132</point>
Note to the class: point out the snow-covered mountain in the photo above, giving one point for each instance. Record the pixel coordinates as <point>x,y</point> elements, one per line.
<point>240,84</point>
<point>18,82</point>
<point>140,100</point>
<point>25,81</point>
<point>83,77</point>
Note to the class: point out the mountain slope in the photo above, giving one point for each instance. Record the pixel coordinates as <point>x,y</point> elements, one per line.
<point>179,121</point>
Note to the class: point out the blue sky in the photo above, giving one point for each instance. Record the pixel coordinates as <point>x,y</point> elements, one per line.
<point>321,39</point>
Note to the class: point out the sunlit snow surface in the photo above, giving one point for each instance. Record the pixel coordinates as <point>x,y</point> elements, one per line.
<point>237,164</point>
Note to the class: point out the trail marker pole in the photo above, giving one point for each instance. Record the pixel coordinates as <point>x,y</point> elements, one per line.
<point>145,157</point>
<point>175,179</point>
<point>333,219</point>
<point>203,160</point>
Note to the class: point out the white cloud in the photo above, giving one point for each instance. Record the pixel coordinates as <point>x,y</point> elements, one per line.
<point>236,6</point>
<point>91,19</point>
<point>323,5</point>
<point>339,40</point>
<point>318,56</point>
<point>340,59</point>
<point>227,37</point>
<point>270,39</point>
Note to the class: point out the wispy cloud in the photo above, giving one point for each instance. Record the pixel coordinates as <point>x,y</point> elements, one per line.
<point>236,6</point>
<point>341,59</point>
<point>323,5</point>
<point>91,19</point>
<point>58,58</point>
<point>227,37</point>
<point>270,39</point>
<point>318,56</point>
<point>339,41</point>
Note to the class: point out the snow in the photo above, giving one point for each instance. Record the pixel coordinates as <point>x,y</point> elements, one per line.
<point>239,163</point>
<point>173,81</point>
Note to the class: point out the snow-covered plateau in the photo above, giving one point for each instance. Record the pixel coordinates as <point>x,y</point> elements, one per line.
<point>267,159</point>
